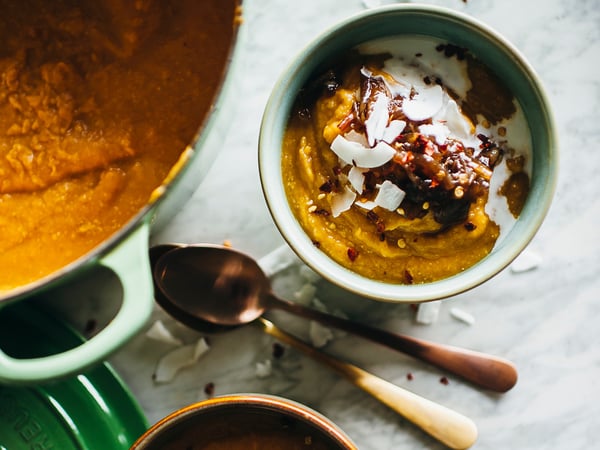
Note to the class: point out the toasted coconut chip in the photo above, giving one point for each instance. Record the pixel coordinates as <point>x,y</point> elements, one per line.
<point>526,261</point>
<point>389,196</point>
<point>428,313</point>
<point>393,130</point>
<point>355,136</point>
<point>459,126</point>
<point>319,335</point>
<point>361,156</point>
<point>342,202</point>
<point>264,368</point>
<point>438,131</point>
<point>160,333</point>
<point>377,121</point>
<point>462,315</point>
<point>177,359</point>
<point>425,104</point>
<point>356,178</point>
<point>368,205</point>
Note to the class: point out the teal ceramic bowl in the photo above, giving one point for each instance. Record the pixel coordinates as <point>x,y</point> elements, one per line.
<point>484,43</point>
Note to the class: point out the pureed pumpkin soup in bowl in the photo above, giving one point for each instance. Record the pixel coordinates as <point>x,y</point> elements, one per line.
<point>416,153</point>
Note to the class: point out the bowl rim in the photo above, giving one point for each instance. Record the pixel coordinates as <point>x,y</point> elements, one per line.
<point>269,151</point>
<point>309,416</point>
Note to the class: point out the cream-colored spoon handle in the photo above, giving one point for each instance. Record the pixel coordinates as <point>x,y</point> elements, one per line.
<point>447,426</point>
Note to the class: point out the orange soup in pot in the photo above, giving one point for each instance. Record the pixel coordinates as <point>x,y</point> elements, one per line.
<point>98,99</point>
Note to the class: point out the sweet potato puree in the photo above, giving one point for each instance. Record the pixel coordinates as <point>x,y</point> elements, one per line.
<point>97,101</point>
<point>392,161</point>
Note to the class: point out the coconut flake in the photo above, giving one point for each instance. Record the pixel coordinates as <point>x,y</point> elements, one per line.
<point>526,261</point>
<point>264,369</point>
<point>389,196</point>
<point>319,335</point>
<point>355,136</point>
<point>428,313</point>
<point>462,315</point>
<point>393,130</point>
<point>342,202</point>
<point>368,205</point>
<point>177,359</point>
<point>458,125</point>
<point>160,333</point>
<point>277,260</point>
<point>305,294</point>
<point>376,123</point>
<point>356,154</point>
<point>425,104</point>
<point>438,131</point>
<point>356,178</point>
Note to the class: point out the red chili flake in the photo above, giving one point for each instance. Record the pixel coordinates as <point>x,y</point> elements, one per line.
<point>327,186</point>
<point>352,253</point>
<point>409,376</point>
<point>408,277</point>
<point>337,170</point>
<point>470,226</point>
<point>444,380</point>
<point>209,389</point>
<point>321,212</point>
<point>316,244</point>
<point>381,237</point>
<point>278,350</point>
<point>372,216</point>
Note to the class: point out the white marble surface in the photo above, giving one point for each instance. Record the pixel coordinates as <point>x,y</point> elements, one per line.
<point>544,320</point>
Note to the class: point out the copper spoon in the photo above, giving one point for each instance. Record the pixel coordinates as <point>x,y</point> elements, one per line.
<point>236,291</point>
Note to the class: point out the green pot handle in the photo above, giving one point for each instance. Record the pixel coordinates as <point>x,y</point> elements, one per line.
<point>130,262</point>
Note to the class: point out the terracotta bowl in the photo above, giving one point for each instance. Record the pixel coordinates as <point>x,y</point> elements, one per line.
<point>241,421</point>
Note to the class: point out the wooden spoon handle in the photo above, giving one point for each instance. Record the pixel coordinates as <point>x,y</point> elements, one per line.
<point>487,371</point>
<point>447,426</point>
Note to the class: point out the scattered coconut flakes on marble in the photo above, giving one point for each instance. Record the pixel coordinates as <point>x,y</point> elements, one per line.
<point>319,335</point>
<point>371,3</point>
<point>159,332</point>
<point>342,202</point>
<point>428,312</point>
<point>526,261</point>
<point>425,104</point>
<point>264,368</point>
<point>389,196</point>
<point>462,315</point>
<point>277,260</point>
<point>181,357</point>
<point>356,177</point>
<point>393,130</point>
<point>305,294</point>
<point>354,153</point>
